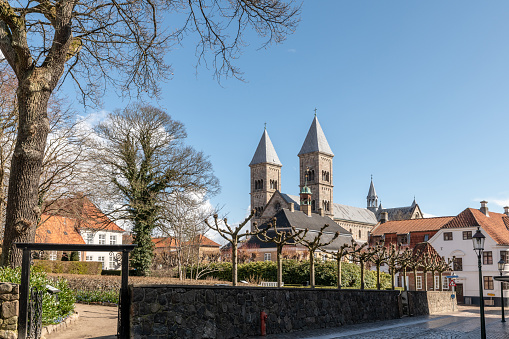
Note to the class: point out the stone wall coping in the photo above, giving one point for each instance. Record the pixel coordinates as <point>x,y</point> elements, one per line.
<point>258,288</point>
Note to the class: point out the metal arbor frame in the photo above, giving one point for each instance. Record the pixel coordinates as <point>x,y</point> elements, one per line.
<point>25,279</point>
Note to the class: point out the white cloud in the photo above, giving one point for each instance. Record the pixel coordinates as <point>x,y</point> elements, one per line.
<point>427,215</point>
<point>500,202</point>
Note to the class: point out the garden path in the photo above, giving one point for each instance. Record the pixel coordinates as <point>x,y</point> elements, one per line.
<point>99,322</point>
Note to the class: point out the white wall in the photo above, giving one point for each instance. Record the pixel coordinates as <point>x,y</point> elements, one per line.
<point>464,249</point>
<point>96,237</point>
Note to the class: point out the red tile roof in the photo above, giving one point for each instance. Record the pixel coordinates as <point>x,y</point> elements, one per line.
<point>162,242</point>
<point>57,230</point>
<point>206,242</point>
<point>411,225</point>
<point>496,224</point>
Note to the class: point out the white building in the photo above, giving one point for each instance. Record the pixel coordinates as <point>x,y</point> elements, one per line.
<point>455,239</point>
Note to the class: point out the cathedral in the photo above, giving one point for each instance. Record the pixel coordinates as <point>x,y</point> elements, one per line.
<point>316,188</point>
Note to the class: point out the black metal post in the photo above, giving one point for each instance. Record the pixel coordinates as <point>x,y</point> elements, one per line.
<point>483,325</point>
<point>23,294</point>
<point>502,298</point>
<point>124,295</point>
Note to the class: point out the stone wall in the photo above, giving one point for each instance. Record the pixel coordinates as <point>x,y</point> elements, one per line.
<point>231,312</point>
<point>9,307</point>
<point>431,302</point>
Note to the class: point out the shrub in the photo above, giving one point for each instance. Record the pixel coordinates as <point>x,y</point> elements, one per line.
<point>75,256</point>
<point>72,267</point>
<point>110,296</point>
<point>53,310</point>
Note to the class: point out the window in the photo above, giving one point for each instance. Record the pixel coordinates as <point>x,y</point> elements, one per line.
<point>360,234</point>
<point>505,285</point>
<point>419,282</point>
<point>445,283</point>
<point>101,259</point>
<point>53,255</point>
<point>102,239</point>
<point>504,255</point>
<point>266,256</point>
<point>437,283</point>
<point>488,283</point>
<point>447,236</point>
<point>89,258</point>
<point>112,261</point>
<point>90,238</point>
<point>467,235</point>
<point>426,237</point>
<point>458,264</point>
<point>113,239</point>
<point>487,258</point>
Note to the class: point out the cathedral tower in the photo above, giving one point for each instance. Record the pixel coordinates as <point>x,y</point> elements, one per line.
<point>315,158</point>
<point>265,175</point>
<point>372,198</point>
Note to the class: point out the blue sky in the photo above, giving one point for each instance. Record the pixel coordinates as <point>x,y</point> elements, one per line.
<point>413,92</point>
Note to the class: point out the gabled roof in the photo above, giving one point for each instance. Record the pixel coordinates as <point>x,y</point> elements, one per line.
<point>315,140</point>
<point>58,230</point>
<point>399,213</point>
<point>293,199</point>
<point>410,225</point>
<point>162,242</point>
<point>350,213</point>
<point>496,225</point>
<point>87,215</point>
<point>265,152</point>
<point>206,242</point>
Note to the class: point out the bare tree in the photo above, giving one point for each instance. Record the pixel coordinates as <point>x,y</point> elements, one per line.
<point>379,257</point>
<point>233,236</point>
<point>405,260</point>
<point>313,244</point>
<point>341,253</point>
<point>88,42</point>
<point>281,238</point>
<point>360,254</point>
<point>141,158</point>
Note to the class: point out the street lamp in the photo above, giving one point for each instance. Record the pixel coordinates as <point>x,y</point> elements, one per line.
<point>501,266</point>
<point>478,240</point>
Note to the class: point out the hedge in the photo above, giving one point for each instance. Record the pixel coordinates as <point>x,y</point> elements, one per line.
<point>296,273</point>
<point>71,267</point>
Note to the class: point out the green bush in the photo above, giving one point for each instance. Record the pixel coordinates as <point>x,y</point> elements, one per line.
<point>75,256</point>
<point>53,310</point>
<point>72,267</point>
<point>297,273</point>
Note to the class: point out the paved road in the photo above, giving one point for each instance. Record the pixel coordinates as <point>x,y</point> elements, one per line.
<point>99,322</point>
<point>464,324</point>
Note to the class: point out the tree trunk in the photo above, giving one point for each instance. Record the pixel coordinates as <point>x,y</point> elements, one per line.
<point>362,274</point>
<point>312,268</point>
<point>393,273</point>
<point>440,284</point>
<point>339,273</point>
<point>425,280</point>
<point>234,263</point>
<point>432,280</point>
<point>415,279</point>
<point>22,204</point>
<point>279,267</point>
<point>377,276</point>
<point>404,279</point>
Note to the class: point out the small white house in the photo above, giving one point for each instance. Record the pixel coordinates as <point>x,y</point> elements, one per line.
<point>454,239</point>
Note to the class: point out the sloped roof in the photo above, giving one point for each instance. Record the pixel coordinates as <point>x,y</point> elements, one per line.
<point>496,225</point>
<point>351,213</point>
<point>398,213</point>
<point>162,242</point>
<point>410,225</point>
<point>265,152</point>
<point>315,140</point>
<point>86,214</point>
<point>58,230</point>
<point>293,199</point>
<point>206,242</point>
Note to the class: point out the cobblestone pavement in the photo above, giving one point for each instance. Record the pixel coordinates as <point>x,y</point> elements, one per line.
<point>464,324</point>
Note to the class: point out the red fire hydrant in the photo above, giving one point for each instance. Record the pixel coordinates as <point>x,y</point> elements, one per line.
<point>263,317</point>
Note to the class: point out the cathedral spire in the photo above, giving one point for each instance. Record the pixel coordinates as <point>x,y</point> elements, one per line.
<point>265,152</point>
<point>315,140</point>
<point>372,198</point>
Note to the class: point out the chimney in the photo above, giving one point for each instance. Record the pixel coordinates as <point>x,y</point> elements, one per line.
<point>291,207</point>
<point>506,210</point>
<point>321,212</point>
<point>306,209</point>
<point>384,217</point>
<point>484,208</point>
